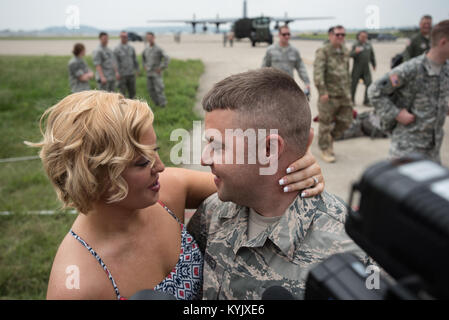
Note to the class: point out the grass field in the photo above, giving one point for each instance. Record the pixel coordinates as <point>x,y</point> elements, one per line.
<point>29,85</point>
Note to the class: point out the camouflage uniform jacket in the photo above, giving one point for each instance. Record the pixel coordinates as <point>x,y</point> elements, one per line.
<point>154,57</point>
<point>125,55</point>
<point>331,71</point>
<point>104,57</point>
<point>286,59</point>
<point>77,67</point>
<point>418,45</point>
<point>309,231</point>
<point>424,94</point>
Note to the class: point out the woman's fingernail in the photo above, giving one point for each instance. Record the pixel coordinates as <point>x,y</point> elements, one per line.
<point>281,182</point>
<point>289,170</point>
<point>286,189</point>
<point>303,194</point>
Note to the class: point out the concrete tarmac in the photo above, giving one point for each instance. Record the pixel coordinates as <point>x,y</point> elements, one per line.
<point>353,155</point>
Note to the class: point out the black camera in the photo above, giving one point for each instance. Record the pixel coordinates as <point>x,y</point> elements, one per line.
<point>400,219</point>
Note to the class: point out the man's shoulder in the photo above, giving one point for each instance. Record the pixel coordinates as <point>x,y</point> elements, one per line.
<point>417,38</point>
<point>413,65</point>
<point>119,47</point>
<point>157,48</point>
<point>272,47</point>
<point>330,207</point>
<point>323,48</point>
<point>292,48</point>
<point>320,53</point>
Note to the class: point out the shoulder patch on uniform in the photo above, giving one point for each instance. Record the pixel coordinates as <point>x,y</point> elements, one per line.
<point>394,79</point>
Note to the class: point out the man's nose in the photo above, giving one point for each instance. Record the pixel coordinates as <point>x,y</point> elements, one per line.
<point>206,156</point>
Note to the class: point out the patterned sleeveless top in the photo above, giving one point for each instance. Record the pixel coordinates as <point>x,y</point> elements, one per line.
<point>184,282</point>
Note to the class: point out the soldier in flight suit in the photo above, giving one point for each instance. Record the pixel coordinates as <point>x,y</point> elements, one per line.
<point>419,43</point>
<point>363,55</point>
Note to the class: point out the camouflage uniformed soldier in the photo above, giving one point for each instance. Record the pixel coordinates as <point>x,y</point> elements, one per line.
<point>105,65</point>
<point>363,55</point>
<point>284,57</point>
<point>79,73</point>
<point>331,77</point>
<point>253,235</point>
<point>412,99</point>
<point>419,43</point>
<point>127,64</point>
<point>155,61</point>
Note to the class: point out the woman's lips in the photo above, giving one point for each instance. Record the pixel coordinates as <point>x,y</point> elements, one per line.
<point>155,186</point>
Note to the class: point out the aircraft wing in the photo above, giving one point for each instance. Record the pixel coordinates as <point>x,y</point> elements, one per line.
<point>290,19</point>
<point>212,20</point>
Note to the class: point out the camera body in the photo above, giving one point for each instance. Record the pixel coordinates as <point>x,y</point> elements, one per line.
<point>402,222</point>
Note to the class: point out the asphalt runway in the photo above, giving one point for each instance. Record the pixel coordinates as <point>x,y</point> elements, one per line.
<point>353,155</point>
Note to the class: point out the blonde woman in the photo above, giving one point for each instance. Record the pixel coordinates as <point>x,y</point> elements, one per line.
<point>100,153</point>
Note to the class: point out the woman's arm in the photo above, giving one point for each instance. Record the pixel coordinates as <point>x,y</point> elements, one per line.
<point>185,189</point>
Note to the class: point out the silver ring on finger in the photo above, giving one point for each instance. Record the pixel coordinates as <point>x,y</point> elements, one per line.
<point>315,179</point>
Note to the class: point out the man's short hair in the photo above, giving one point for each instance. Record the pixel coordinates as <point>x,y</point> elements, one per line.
<point>338,27</point>
<point>359,33</point>
<point>331,30</point>
<point>439,31</point>
<point>149,33</point>
<point>426,16</point>
<point>265,98</point>
<point>283,27</point>
<point>102,34</point>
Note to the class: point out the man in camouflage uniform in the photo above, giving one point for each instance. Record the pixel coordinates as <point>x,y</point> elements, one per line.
<point>253,235</point>
<point>155,61</point>
<point>363,54</point>
<point>105,65</point>
<point>284,57</point>
<point>412,99</point>
<point>331,77</point>
<point>125,55</point>
<point>79,73</point>
<point>419,43</point>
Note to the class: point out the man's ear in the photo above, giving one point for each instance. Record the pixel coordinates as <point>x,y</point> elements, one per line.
<point>309,142</point>
<point>273,142</point>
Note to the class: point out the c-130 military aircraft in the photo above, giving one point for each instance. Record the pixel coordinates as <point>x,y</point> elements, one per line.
<point>257,29</point>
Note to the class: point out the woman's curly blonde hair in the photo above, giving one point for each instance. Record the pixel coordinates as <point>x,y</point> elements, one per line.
<point>90,138</point>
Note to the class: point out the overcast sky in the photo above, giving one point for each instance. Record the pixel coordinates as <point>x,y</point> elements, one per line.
<point>120,14</point>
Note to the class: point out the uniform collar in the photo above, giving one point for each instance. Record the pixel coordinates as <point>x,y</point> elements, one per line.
<point>287,234</point>
<point>342,49</point>
<point>428,68</point>
<point>279,46</point>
